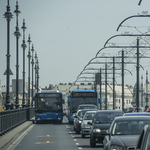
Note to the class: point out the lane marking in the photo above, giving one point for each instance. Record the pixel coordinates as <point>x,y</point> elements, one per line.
<point>45,136</point>
<point>77,143</point>
<point>79,147</point>
<point>75,139</point>
<point>44,142</point>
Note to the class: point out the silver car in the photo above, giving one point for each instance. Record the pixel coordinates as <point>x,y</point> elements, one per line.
<point>85,128</point>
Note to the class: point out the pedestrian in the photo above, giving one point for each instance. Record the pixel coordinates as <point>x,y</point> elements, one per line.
<point>12,106</point>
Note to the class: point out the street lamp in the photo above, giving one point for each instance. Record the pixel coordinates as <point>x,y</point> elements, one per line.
<point>37,75</point>
<point>24,47</point>
<point>35,70</point>
<point>8,15</point>
<point>32,62</point>
<point>29,57</point>
<point>17,34</point>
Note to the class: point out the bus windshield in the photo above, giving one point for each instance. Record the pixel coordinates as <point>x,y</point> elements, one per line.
<point>49,104</point>
<point>85,100</point>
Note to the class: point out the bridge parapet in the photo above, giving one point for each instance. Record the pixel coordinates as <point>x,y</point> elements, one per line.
<point>10,119</point>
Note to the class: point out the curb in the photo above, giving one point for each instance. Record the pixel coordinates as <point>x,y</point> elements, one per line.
<point>7,139</point>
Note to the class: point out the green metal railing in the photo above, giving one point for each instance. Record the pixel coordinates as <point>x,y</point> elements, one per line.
<point>9,119</point>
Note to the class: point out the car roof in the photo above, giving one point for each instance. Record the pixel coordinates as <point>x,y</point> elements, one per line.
<point>87,110</point>
<point>132,118</point>
<point>87,105</point>
<point>137,114</point>
<point>109,111</point>
<point>92,111</point>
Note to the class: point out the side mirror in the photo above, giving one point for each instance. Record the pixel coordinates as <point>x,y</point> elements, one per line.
<point>68,99</point>
<point>100,100</point>
<point>73,116</point>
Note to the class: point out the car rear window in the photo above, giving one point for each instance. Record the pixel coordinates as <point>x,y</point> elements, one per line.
<point>105,117</point>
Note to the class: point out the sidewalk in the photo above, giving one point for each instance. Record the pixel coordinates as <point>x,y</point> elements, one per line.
<point>11,136</point>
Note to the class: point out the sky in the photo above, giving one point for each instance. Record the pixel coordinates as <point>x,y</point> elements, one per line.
<point>67,34</point>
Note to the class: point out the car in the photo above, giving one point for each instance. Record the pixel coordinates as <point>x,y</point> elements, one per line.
<point>78,119</point>
<point>85,128</point>
<point>101,121</point>
<point>137,114</point>
<point>140,109</point>
<point>87,106</point>
<point>129,109</point>
<point>148,109</point>
<point>143,141</point>
<point>124,132</point>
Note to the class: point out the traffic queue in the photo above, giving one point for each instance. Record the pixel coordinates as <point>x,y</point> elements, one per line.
<point>114,129</point>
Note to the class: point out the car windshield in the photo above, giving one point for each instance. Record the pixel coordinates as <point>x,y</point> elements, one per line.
<point>147,144</point>
<point>88,116</point>
<point>81,114</point>
<point>130,127</point>
<point>107,117</point>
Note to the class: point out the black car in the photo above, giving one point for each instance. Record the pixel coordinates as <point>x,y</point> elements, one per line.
<point>78,119</point>
<point>129,109</point>
<point>124,132</point>
<point>144,139</point>
<point>101,121</point>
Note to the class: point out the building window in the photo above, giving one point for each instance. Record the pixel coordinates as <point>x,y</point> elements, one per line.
<point>116,100</point>
<point>126,101</point>
<point>119,102</point>
<point>129,102</point>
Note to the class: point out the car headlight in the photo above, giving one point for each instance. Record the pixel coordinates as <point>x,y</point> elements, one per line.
<point>97,130</point>
<point>80,121</point>
<point>116,147</point>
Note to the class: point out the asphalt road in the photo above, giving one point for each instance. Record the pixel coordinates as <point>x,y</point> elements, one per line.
<point>52,136</point>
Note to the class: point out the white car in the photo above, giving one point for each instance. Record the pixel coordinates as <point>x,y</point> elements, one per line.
<point>85,128</point>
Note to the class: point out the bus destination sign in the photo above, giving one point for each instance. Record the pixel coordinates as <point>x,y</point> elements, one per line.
<point>49,95</point>
<point>84,94</point>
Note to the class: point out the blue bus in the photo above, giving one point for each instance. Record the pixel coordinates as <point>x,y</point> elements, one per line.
<point>48,106</point>
<point>78,97</point>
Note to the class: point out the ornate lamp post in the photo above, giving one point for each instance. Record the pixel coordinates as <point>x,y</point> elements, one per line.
<point>32,62</point>
<point>17,34</point>
<point>37,75</point>
<point>29,57</point>
<point>24,47</point>
<point>8,15</point>
<point>35,69</point>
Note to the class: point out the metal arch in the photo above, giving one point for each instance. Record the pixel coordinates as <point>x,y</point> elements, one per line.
<point>124,35</point>
<point>131,17</point>
<point>100,50</point>
<point>129,72</point>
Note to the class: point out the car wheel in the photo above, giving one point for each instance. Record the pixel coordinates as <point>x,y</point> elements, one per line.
<point>92,144</point>
<point>82,135</point>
